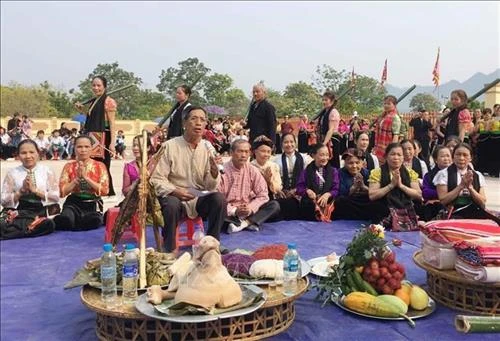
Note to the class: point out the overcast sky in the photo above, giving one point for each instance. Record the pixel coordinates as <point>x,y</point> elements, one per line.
<point>279,42</point>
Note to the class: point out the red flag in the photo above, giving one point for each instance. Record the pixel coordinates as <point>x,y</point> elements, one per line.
<point>384,74</point>
<point>435,72</point>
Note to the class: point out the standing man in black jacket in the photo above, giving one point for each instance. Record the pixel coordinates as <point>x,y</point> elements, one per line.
<point>421,129</point>
<point>262,115</point>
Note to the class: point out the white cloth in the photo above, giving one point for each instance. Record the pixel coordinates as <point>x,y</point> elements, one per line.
<point>486,274</point>
<point>441,178</point>
<point>290,162</point>
<point>45,180</point>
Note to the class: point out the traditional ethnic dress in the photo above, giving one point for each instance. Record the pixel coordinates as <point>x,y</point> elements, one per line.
<point>463,207</point>
<point>327,115</point>
<point>184,167</point>
<point>399,211</point>
<point>290,168</point>
<point>82,209</point>
<point>457,116</point>
<point>274,184</point>
<point>320,180</point>
<point>386,127</point>
<point>97,122</point>
<point>22,221</point>
<point>354,205</point>
<point>431,206</point>
<point>175,120</point>
<point>247,186</point>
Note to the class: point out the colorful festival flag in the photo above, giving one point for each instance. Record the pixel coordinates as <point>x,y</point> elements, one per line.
<point>384,74</point>
<point>435,72</point>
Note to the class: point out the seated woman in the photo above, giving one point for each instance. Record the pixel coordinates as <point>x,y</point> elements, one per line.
<point>396,187</point>
<point>30,193</point>
<point>362,143</point>
<point>262,147</point>
<point>431,205</point>
<point>85,180</point>
<point>461,188</point>
<point>291,163</point>
<point>318,186</point>
<point>131,169</point>
<point>352,201</point>
<point>411,161</point>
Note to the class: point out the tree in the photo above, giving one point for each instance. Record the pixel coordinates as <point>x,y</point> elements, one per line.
<point>215,89</point>
<point>189,72</point>
<point>423,101</point>
<point>283,105</point>
<point>366,97</point>
<point>116,77</point>
<point>327,77</point>
<point>32,101</point>
<point>236,102</point>
<point>59,100</point>
<point>304,98</point>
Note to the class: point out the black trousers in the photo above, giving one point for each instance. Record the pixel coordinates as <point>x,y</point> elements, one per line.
<point>79,215</point>
<point>269,211</point>
<point>336,150</point>
<point>212,207</point>
<point>27,212</point>
<point>289,209</point>
<point>303,145</point>
<point>352,208</point>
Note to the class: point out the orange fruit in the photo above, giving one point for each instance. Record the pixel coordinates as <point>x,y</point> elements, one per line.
<point>403,295</point>
<point>406,288</point>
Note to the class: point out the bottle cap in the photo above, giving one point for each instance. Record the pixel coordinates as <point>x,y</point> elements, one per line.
<point>107,247</point>
<point>292,245</point>
<point>130,246</point>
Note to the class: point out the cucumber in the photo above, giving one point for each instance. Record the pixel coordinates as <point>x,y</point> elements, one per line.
<point>358,280</point>
<point>351,283</point>
<point>369,289</point>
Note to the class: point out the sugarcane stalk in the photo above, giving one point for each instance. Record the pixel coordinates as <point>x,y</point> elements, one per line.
<point>477,324</point>
<point>406,93</point>
<point>143,193</point>
<point>109,93</point>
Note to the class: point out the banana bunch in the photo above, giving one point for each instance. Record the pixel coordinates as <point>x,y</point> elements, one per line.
<point>382,306</point>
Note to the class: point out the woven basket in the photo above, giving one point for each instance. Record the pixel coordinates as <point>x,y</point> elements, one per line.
<point>454,291</point>
<point>126,323</point>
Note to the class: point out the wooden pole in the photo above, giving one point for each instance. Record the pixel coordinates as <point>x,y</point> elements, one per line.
<point>143,193</point>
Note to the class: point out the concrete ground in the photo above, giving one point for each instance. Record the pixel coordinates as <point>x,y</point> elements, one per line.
<point>492,184</point>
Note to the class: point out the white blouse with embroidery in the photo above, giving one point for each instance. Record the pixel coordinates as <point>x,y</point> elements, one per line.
<point>45,181</point>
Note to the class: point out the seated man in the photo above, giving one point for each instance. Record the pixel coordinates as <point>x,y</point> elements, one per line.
<point>246,192</point>
<point>187,167</point>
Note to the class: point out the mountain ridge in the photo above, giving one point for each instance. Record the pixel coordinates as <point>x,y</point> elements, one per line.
<point>472,85</point>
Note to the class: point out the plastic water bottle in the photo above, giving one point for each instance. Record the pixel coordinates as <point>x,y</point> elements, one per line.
<point>108,277</point>
<point>197,237</point>
<point>290,270</point>
<point>130,271</point>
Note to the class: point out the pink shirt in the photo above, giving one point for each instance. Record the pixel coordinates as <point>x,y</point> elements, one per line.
<point>243,186</point>
<point>335,118</point>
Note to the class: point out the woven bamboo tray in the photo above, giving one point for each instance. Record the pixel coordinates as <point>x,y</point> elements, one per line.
<point>126,323</point>
<point>451,289</point>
